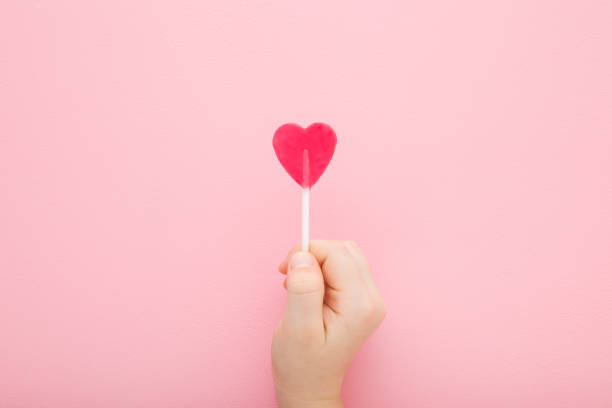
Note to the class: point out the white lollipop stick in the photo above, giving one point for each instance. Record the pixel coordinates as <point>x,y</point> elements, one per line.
<point>305,200</point>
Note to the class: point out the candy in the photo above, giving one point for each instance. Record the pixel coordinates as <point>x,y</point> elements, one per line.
<point>305,154</point>
<point>296,146</point>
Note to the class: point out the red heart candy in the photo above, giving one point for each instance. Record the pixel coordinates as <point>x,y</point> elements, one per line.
<point>296,146</point>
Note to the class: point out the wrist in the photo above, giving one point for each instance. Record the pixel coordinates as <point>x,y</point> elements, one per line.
<point>293,400</point>
<point>290,402</point>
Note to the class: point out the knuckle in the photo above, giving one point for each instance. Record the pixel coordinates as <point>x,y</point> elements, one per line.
<point>352,244</point>
<point>345,247</point>
<point>374,310</point>
<point>369,309</point>
<point>343,257</point>
<point>338,246</point>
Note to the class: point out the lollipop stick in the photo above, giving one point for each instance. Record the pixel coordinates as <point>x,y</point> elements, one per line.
<point>305,199</point>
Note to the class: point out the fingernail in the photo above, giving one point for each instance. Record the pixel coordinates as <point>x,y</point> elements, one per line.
<point>300,260</point>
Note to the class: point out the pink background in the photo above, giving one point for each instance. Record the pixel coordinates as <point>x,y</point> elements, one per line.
<point>143,213</point>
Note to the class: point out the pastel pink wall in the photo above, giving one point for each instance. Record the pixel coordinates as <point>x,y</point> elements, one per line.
<point>143,212</point>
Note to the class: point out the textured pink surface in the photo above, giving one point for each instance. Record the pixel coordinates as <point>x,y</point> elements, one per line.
<point>138,256</point>
<point>304,153</point>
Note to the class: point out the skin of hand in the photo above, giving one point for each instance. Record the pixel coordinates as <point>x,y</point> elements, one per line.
<point>332,308</point>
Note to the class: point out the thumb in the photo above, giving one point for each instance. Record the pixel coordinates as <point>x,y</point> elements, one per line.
<point>304,310</point>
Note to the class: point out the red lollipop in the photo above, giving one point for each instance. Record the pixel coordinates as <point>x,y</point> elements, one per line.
<point>317,140</point>
<point>305,154</point>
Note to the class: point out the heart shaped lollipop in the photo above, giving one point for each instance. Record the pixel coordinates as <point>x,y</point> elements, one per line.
<point>305,154</point>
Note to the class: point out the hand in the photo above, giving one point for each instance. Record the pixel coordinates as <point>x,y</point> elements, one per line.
<point>332,307</point>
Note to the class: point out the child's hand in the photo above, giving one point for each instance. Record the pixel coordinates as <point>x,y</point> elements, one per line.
<point>332,307</point>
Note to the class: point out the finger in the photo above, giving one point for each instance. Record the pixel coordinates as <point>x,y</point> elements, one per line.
<point>362,263</point>
<point>282,268</point>
<point>305,289</point>
<point>320,248</point>
<point>339,267</point>
<point>337,263</point>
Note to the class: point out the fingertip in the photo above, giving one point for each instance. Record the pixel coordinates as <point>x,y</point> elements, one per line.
<point>282,268</point>
<point>301,259</point>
